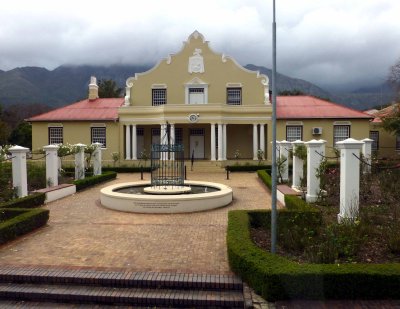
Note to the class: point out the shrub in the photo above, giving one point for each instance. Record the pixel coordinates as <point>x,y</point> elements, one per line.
<point>265,177</point>
<point>30,201</point>
<point>275,277</point>
<point>21,221</point>
<point>93,180</point>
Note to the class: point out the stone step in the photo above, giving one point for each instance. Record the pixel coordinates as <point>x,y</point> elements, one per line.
<point>124,296</point>
<point>115,278</point>
<point>107,287</point>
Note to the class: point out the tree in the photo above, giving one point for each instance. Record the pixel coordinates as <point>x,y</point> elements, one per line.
<point>391,122</point>
<point>394,77</point>
<point>22,135</point>
<point>109,89</point>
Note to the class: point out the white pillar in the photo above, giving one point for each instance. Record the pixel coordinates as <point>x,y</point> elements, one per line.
<point>51,165</point>
<point>172,136</point>
<point>284,147</point>
<point>97,159</point>
<point>80,161</point>
<point>297,166</point>
<point>262,140</point>
<point>224,142</point>
<point>220,142</point>
<point>255,139</point>
<point>349,178</point>
<point>134,142</point>
<point>315,153</point>
<point>18,155</point>
<point>128,142</point>
<point>366,150</point>
<point>212,142</point>
<point>163,134</point>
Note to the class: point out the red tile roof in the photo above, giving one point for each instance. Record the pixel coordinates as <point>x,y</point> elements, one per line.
<point>99,109</point>
<point>384,112</point>
<point>305,107</point>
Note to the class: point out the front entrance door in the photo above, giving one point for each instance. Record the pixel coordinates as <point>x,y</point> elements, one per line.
<point>197,143</point>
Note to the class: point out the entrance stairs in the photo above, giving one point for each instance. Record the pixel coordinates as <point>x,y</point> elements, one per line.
<point>205,166</point>
<point>42,287</point>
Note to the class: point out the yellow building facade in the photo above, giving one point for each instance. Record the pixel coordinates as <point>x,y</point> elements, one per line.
<point>204,100</point>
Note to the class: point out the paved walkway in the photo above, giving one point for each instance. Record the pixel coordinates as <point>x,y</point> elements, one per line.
<point>82,233</point>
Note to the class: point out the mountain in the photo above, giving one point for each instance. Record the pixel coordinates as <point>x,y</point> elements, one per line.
<point>67,84</point>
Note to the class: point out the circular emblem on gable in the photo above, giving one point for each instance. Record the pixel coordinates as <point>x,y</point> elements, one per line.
<point>193,117</point>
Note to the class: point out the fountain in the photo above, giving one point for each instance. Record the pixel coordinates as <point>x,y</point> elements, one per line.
<point>167,192</point>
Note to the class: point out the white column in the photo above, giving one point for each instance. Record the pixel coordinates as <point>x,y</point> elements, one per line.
<point>314,151</point>
<point>284,147</point>
<point>212,142</point>
<point>18,155</point>
<point>367,154</point>
<point>297,166</point>
<point>128,142</point>
<point>134,142</point>
<point>262,139</point>
<point>80,161</point>
<point>172,135</point>
<point>163,134</point>
<point>220,142</point>
<point>51,165</point>
<point>224,142</point>
<point>349,178</point>
<point>97,159</point>
<point>255,139</point>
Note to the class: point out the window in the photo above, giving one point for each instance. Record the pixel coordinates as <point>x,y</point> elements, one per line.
<point>178,136</point>
<point>55,135</point>
<point>340,133</point>
<point>234,96</point>
<point>398,142</point>
<point>98,135</point>
<point>294,133</point>
<point>374,135</point>
<point>196,96</point>
<point>159,97</point>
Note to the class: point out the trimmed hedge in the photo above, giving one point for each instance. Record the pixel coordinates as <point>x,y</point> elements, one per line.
<point>93,180</point>
<point>118,169</point>
<point>30,201</point>
<point>276,278</point>
<point>21,221</point>
<point>265,177</point>
<point>247,168</point>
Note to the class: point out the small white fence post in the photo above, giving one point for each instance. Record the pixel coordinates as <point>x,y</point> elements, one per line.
<point>51,165</point>
<point>19,173</point>
<point>284,147</point>
<point>80,161</point>
<point>97,159</point>
<point>297,166</point>
<point>366,150</point>
<point>349,178</point>
<point>315,153</point>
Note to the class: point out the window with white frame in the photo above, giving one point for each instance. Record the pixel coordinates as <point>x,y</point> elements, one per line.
<point>374,135</point>
<point>55,135</point>
<point>98,135</point>
<point>234,96</point>
<point>340,133</point>
<point>196,95</point>
<point>294,133</point>
<point>398,142</point>
<point>159,97</point>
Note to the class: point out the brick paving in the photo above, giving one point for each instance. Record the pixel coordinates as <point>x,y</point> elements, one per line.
<point>81,233</point>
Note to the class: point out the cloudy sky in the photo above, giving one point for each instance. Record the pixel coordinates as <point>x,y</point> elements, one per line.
<point>329,42</point>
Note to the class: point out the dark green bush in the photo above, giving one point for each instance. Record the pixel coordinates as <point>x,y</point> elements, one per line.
<point>265,177</point>
<point>21,221</point>
<point>275,277</point>
<point>93,180</point>
<point>30,201</point>
<point>118,169</point>
<point>247,168</point>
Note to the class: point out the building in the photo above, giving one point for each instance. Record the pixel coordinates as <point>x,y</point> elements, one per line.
<point>203,100</point>
<point>386,144</point>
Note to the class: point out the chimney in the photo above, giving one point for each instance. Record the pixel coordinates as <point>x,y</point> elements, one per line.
<point>93,89</point>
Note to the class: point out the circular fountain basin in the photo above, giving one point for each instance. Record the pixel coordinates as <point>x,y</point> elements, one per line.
<point>210,195</point>
<point>167,190</point>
